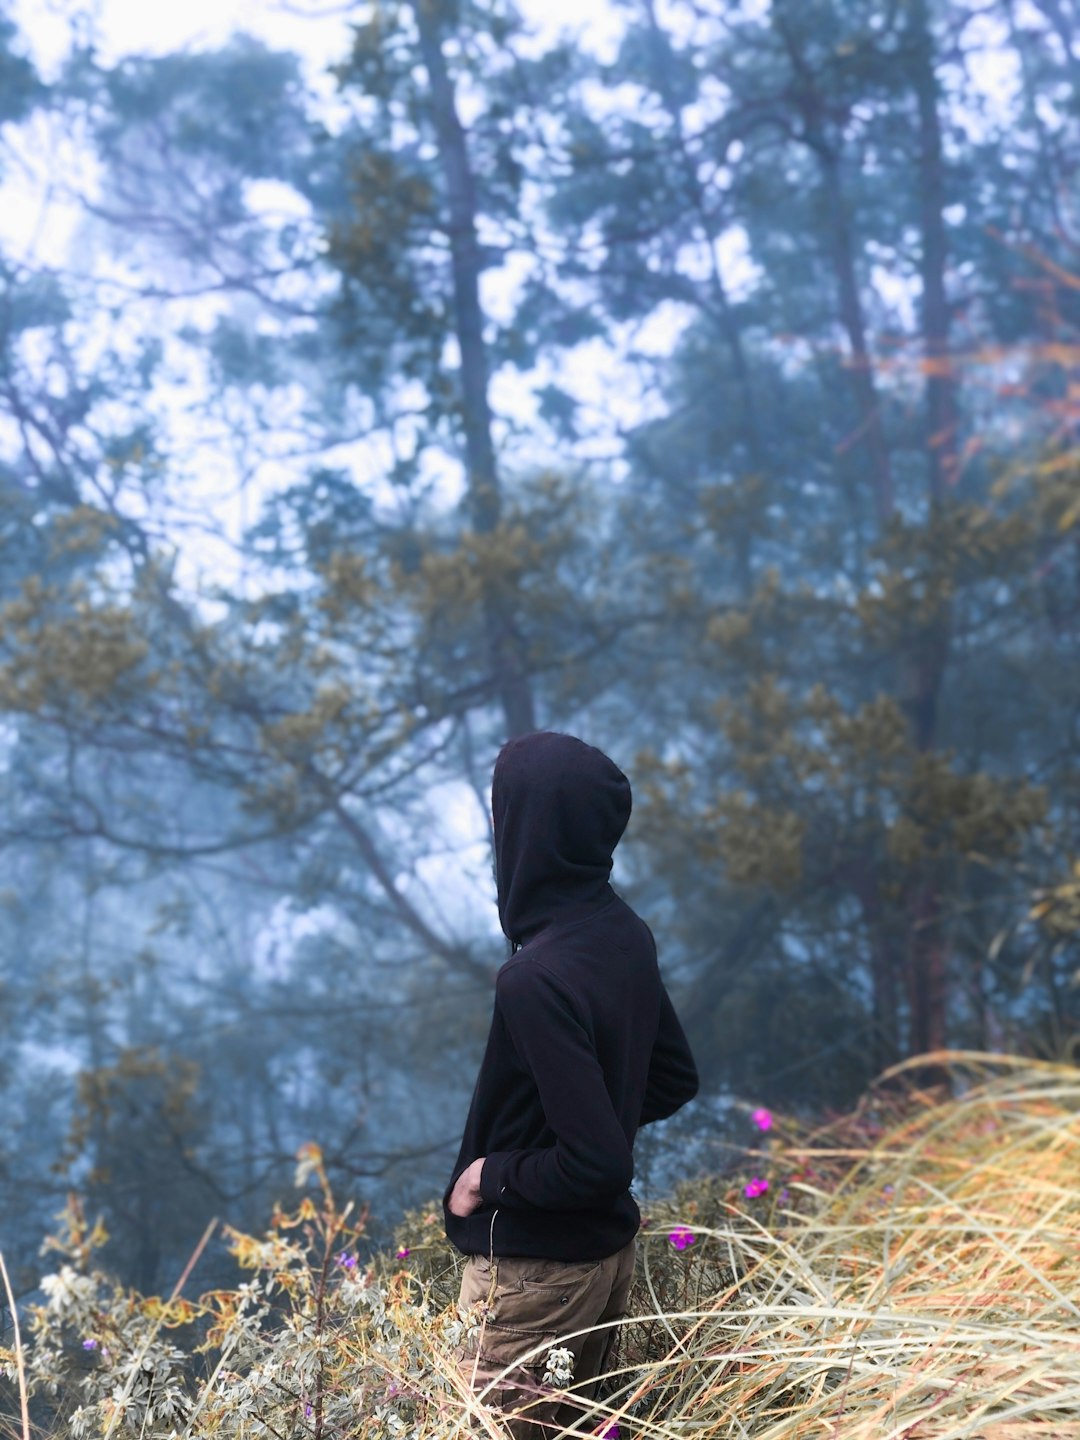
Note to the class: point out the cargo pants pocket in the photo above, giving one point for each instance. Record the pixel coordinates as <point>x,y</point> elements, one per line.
<point>526,1306</point>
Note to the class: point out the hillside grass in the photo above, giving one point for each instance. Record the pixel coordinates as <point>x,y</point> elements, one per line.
<point>911,1272</point>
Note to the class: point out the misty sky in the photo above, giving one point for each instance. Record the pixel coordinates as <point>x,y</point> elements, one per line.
<point>318,31</point>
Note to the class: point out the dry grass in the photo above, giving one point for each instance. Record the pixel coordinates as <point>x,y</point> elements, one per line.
<point>912,1273</point>
<point>946,1305</point>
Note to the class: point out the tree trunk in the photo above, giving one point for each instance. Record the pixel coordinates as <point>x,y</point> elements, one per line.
<point>720,309</point>
<point>506,648</point>
<point>870,433</point>
<point>926,973</point>
<point>811,107</point>
<point>927,978</point>
<point>883,970</point>
<point>869,436</point>
<point>940,381</point>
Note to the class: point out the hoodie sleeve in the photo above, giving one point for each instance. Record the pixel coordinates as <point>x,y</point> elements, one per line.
<point>673,1077</point>
<point>591,1160</point>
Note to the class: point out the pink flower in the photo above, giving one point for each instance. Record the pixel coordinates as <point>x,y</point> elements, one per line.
<point>757,1186</point>
<point>402,1252</point>
<point>761,1118</point>
<point>681,1237</point>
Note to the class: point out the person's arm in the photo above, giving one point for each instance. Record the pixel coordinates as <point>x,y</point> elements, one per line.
<point>591,1160</point>
<point>673,1077</point>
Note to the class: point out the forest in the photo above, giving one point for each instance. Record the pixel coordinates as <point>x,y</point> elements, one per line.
<point>708,390</point>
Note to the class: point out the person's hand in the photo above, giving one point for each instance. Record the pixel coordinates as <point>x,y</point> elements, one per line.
<point>465,1196</point>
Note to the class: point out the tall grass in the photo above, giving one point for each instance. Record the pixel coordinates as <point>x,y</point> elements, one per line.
<point>911,1271</point>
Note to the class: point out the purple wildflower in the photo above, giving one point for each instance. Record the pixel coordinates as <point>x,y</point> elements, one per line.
<point>610,1432</point>
<point>681,1237</point>
<point>761,1118</point>
<point>402,1252</point>
<point>89,1344</point>
<point>346,1259</point>
<point>307,1409</point>
<point>757,1186</point>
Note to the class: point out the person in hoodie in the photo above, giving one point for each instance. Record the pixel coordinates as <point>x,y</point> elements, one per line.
<point>584,1048</point>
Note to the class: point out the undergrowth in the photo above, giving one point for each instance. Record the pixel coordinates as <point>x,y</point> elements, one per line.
<point>909,1271</point>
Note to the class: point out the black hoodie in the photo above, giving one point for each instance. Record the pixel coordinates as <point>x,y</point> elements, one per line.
<point>584,1046</point>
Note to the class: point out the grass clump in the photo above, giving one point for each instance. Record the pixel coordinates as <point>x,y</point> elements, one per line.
<point>910,1271</point>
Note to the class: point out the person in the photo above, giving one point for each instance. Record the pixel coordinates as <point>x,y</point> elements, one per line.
<point>584,1048</point>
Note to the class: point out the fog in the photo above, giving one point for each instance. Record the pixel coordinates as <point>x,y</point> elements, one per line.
<point>702,384</point>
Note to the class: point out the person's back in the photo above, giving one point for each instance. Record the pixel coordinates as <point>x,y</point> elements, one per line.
<point>584,1048</point>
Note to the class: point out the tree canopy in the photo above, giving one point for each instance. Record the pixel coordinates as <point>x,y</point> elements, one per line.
<point>714,399</point>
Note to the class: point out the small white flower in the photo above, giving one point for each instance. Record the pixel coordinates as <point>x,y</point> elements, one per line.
<point>560,1366</point>
<point>67,1290</point>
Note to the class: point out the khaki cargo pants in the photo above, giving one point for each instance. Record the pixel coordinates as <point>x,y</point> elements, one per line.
<point>533,1303</point>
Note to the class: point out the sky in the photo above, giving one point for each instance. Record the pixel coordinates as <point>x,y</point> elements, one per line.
<point>124,27</point>
<point>318,29</point>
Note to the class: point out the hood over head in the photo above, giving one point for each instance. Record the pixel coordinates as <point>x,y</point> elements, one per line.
<point>560,808</point>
